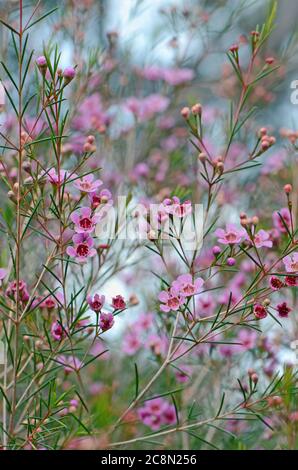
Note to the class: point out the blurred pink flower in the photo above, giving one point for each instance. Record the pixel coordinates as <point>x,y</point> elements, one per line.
<point>87,184</point>
<point>278,222</point>
<point>291,263</point>
<point>231,236</point>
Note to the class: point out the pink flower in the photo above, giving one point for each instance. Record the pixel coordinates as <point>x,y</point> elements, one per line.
<point>87,184</point>
<point>84,221</point>
<point>70,363</point>
<point>205,305</point>
<point>91,114</point>
<point>182,375</point>
<point>69,74</point>
<point>283,310</point>
<point>103,197</point>
<point>276,283</point>
<point>146,108</point>
<point>52,301</point>
<point>230,236</point>
<point>291,281</point>
<point>171,300</point>
<point>131,343</point>
<point>186,285</point>
<point>55,178</point>
<point>262,238</point>
<point>118,302</point>
<point>277,221</point>
<point>11,291</point>
<point>177,76</point>
<point>96,302</point>
<point>247,338</point>
<point>41,61</point>
<point>156,413</point>
<point>175,207</point>
<point>82,249</point>
<point>144,322</point>
<point>3,274</point>
<point>106,321</point>
<point>157,344</point>
<point>260,312</point>
<point>291,262</point>
<point>57,331</point>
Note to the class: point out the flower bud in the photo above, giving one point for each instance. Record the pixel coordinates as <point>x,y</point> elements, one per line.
<point>216,250</point>
<point>41,63</point>
<point>185,113</point>
<point>69,74</point>
<point>288,188</point>
<point>202,157</point>
<point>254,378</point>
<point>220,168</point>
<point>196,109</point>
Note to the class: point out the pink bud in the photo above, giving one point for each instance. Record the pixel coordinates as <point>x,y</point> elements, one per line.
<point>185,112</point>
<point>288,188</point>
<point>69,74</point>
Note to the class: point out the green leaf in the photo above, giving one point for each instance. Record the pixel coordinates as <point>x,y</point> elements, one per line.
<point>41,18</point>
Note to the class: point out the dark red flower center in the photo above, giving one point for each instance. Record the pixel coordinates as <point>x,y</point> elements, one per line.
<point>82,249</point>
<point>86,223</point>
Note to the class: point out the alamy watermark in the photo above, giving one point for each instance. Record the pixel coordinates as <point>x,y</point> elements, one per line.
<point>170,221</point>
<point>294,94</point>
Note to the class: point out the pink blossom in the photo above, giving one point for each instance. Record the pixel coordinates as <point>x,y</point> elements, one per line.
<point>276,283</point>
<point>247,338</point>
<point>52,301</point>
<point>182,375</point>
<point>55,178</point>
<point>11,291</point>
<point>103,197</point>
<point>187,286</point>
<point>291,281</point>
<point>91,114</point>
<point>70,363</point>
<point>69,73</point>
<point>291,262</point>
<point>231,236</point>
<point>173,76</point>
<point>175,207</point>
<point>177,76</point>
<point>82,249</point>
<point>157,344</point>
<point>57,331</point>
<point>118,302</point>
<point>146,108</point>
<point>3,274</point>
<point>144,322</point>
<point>87,184</point>
<point>283,310</point>
<point>260,312</point>
<point>96,302</point>
<point>84,220</point>
<point>205,305</point>
<point>131,343</point>
<point>278,222</point>
<point>262,238</point>
<point>157,412</point>
<point>171,300</point>
<point>106,321</point>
